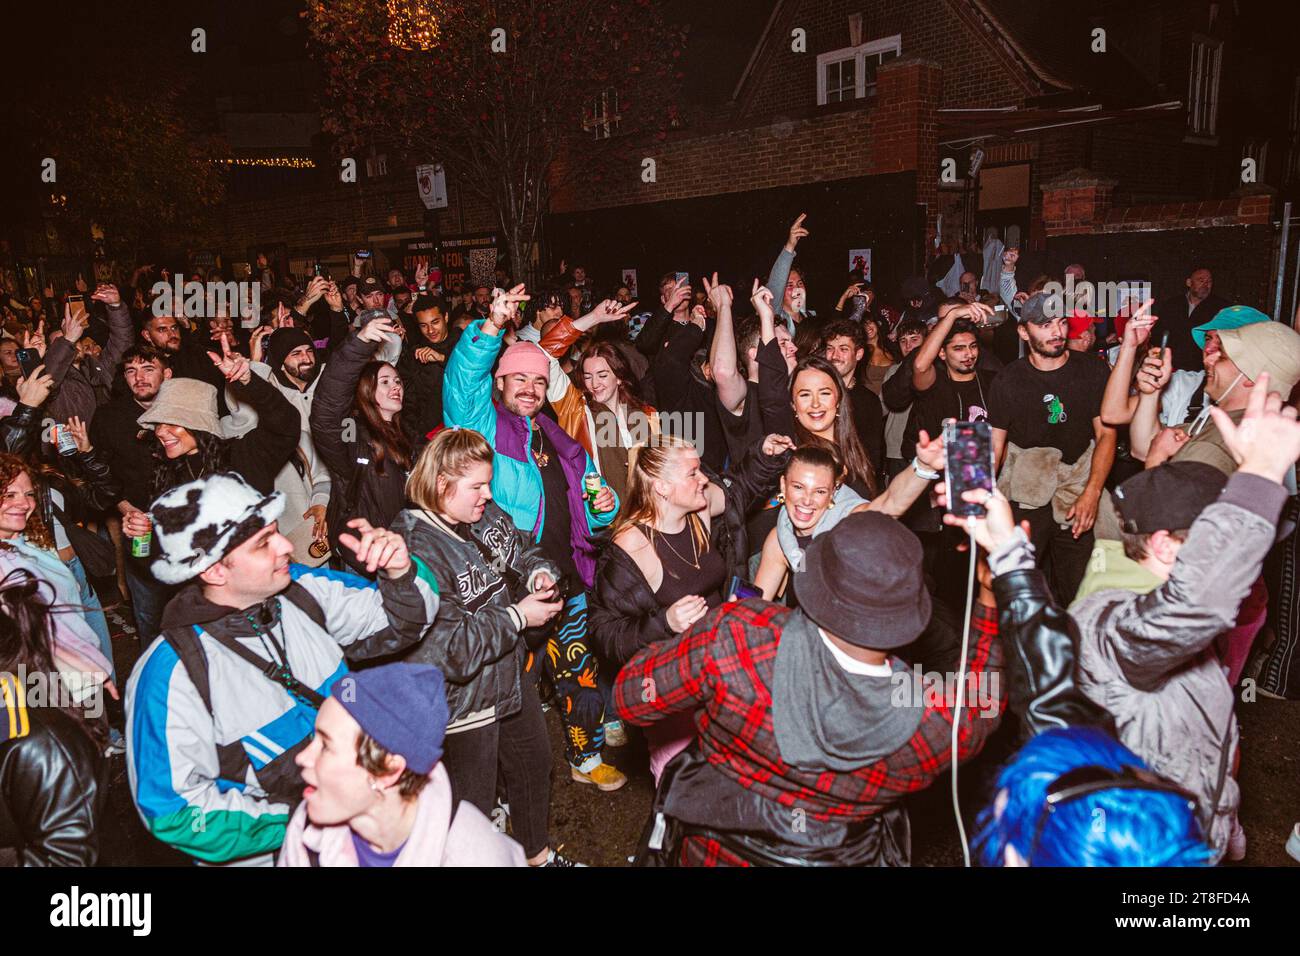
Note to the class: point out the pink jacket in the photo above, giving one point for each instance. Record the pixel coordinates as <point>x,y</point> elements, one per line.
<point>471,840</point>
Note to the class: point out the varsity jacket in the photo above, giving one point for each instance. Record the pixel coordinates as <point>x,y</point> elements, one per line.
<point>218,782</point>
<point>516,479</point>
<point>475,639</point>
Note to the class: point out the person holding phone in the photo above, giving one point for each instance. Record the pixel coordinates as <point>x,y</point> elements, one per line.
<point>679,541</point>
<point>496,583</point>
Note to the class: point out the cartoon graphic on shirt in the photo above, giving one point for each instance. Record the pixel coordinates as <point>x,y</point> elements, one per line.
<point>1055,409</point>
<point>974,413</point>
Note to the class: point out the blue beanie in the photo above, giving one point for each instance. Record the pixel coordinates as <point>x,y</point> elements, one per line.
<point>402,706</point>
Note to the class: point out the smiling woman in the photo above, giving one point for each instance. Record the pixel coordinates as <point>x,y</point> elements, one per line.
<point>817,395</point>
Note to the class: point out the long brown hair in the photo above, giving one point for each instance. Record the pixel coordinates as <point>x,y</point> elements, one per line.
<point>386,438</point>
<point>26,643</point>
<point>617,364</point>
<point>847,446</point>
<point>37,531</point>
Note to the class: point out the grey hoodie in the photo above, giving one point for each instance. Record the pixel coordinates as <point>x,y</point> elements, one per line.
<point>1148,660</point>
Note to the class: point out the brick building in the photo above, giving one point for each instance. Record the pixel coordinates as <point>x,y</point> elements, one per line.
<point>870,115</point>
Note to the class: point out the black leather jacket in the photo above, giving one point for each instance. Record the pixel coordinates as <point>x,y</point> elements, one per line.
<point>1038,639</point>
<point>52,787</point>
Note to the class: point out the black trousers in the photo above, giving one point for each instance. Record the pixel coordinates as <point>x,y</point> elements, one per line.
<point>519,749</point>
<point>1062,557</point>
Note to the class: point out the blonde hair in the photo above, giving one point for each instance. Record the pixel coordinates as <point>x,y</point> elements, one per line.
<point>652,463</point>
<point>451,453</point>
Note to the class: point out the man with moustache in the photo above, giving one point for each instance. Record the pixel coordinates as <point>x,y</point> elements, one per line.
<point>1050,444</point>
<point>538,479</point>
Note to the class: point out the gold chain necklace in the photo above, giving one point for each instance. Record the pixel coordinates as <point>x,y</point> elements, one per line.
<point>694,545</point>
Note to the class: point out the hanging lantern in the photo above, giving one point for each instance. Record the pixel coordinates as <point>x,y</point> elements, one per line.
<point>412,24</point>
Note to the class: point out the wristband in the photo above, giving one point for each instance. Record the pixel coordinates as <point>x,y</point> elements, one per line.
<point>923,472</point>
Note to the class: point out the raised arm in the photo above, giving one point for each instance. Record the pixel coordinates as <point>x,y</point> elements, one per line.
<point>1118,404</point>
<point>780,274</point>
<point>728,378</point>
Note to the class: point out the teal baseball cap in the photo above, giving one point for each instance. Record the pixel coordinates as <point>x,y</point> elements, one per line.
<point>1233,317</point>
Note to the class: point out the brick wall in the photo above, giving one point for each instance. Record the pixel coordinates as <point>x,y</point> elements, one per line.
<point>898,133</point>
<point>1161,242</point>
<point>785,83</point>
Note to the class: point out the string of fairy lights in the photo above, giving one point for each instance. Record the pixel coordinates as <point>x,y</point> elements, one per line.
<point>276,162</point>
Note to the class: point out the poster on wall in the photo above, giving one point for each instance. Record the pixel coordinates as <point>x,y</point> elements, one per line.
<point>419,252</point>
<point>860,261</point>
<point>629,280</point>
<point>469,259</point>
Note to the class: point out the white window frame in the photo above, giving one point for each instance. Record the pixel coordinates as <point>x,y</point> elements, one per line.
<point>892,44</point>
<point>376,165</point>
<point>603,121</point>
<point>1204,72</point>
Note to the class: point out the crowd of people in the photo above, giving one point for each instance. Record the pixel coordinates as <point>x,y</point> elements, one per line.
<point>375,537</point>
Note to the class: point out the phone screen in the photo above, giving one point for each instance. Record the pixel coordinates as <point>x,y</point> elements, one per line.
<point>683,275</point>
<point>28,360</point>
<point>969,449</point>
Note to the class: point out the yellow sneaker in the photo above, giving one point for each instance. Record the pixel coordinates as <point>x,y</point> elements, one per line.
<point>604,776</point>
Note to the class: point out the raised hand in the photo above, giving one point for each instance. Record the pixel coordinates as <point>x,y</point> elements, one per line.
<point>77,428</point>
<point>107,293</point>
<point>678,295</point>
<point>1267,441</point>
<point>377,329</point>
<point>700,317</point>
<point>333,297</point>
<point>421,275</point>
<point>1138,329</point>
<point>761,298</point>
<point>73,326</point>
<point>257,342</point>
<point>797,232</point>
<point>607,311</point>
<point>997,528</point>
<point>1157,368</point>
<point>506,304</point>
<point>930,451</point>
<point>34,389</point>
<point>35,340</point>
<point>718,293</point>
<point>233,366</point>
<point>377,548</point>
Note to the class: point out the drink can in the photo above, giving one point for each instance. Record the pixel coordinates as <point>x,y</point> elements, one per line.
<point>63,440</point>
<point>591,485</point>
<point>141,544</point>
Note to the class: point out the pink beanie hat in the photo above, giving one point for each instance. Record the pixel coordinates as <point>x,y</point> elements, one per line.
<point>525,357</point>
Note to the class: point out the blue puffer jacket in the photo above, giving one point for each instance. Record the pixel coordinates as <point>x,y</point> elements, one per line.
<point>516,479</point>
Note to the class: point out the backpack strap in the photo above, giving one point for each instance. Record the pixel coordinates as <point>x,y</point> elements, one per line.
<point>232,760</point>
<point>302,599</point>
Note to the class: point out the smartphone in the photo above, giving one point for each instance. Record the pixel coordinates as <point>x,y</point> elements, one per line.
<point>969,449</point>
<point>29,360</point>
<point>75,298</point>
<point>315,270</point>
<point>683,275</point>
<point>742,589</point>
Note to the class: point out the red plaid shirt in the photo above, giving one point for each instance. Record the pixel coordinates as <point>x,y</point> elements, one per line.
<point>722,669</point>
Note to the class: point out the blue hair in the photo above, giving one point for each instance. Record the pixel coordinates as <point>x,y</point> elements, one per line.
<point>1116,827</point>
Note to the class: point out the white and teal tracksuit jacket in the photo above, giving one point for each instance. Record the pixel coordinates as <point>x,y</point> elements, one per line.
<point>173,761</point>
